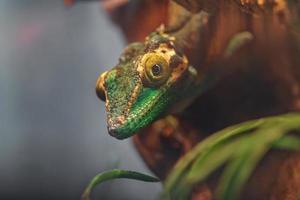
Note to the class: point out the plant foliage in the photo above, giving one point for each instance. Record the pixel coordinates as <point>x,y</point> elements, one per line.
<point>238,149</point>
<point>115,174</point>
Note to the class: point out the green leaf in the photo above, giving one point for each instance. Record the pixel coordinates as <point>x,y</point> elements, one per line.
<point>205,164</point>
<point>288,142</point>
<point>182,167</point>
<point>115,174</point>
<point>251,151</point>
<point>208,161</point>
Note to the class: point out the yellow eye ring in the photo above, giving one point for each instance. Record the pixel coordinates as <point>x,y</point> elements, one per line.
<point>156,70</point>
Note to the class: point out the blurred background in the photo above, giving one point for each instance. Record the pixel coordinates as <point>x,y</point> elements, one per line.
<point>53,127</point>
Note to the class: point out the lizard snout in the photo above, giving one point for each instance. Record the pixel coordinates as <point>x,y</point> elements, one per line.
<point>112,131</point>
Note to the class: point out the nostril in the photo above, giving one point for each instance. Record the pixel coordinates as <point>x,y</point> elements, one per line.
<point>100,90</point>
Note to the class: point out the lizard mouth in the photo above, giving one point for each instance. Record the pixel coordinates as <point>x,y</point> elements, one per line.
<point>112,131</point>
<point>116,132</point>
<point>115,127</point>
<point>120,128</point>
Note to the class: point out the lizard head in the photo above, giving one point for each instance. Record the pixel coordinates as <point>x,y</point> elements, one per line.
<point>149,78</point>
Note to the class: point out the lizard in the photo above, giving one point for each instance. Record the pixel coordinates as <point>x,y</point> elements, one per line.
<point>150,76</point>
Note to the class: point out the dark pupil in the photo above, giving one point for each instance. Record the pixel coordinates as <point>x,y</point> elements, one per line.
<point>156,69</point>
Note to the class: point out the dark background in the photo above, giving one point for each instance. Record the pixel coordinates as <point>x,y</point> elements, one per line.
<point>52,126</point>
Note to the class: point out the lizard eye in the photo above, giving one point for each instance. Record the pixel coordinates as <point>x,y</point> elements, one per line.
<point>100,90</point>
<point>156,71</point>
